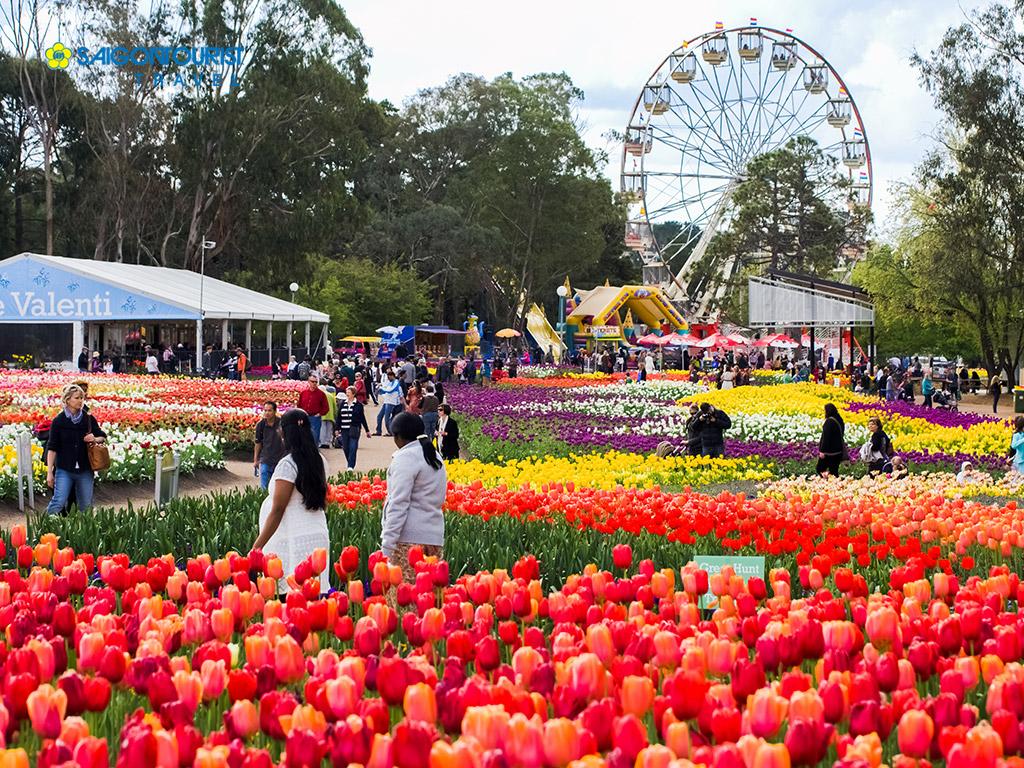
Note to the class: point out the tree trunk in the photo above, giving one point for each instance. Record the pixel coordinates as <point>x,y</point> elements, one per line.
<point>48,185</point>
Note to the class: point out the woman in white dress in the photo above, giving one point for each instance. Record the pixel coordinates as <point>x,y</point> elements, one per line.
<point>292,519</point>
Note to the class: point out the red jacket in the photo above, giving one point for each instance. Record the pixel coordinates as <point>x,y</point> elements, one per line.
<point>313,401</point>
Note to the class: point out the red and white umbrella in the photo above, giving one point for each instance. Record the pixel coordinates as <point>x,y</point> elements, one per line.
<point>739,339</point>
<point>681,339</point>
<point>651,340</point>
<point>777,340</point>
<point>716,341</point>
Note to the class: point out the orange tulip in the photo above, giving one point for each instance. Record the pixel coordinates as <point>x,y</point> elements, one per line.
<point>915,733</point>
<point>257,650</point>
<point>654,756</point>
<point>189,686</point>
<point>524,661</point>
<point>524,744</point>
<point>457,755</point>
<point>319,560</point>
<point>420,703</point>
<point>883,628</point>
<point>90,651</point>
<point>600,643</point>
<point>636,695</point>
<point>73,731</point>
<point>561,741</point>
<point>667,652</point>
<point>18,535</point>
<point>245,718</point>
<point>771,756</point>
<point>13,758</point>
<point>289,663</point>
<point>223,622</point>
<point>356,592</point>
<point>487,724</point>
<point>305,717</point>
<point>46,708</point>
<point>274,567</point>
<point>587,677</point>
<point>212,757</point>
<point>677,738</point>
<point>342,696</point>
<point>767,710</point>
<point>382,752</point>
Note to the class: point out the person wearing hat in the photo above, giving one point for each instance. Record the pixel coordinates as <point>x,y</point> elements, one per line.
<point>97,364</point>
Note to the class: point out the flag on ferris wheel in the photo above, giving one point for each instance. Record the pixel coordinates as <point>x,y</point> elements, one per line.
<point>842,90</point>
<point>753,21</point>
<point>789,30</point>
<point>864,176</point>
<point>858,133</point>
<point>719,26</point>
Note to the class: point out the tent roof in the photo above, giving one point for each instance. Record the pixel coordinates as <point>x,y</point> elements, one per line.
<point>180,287</point>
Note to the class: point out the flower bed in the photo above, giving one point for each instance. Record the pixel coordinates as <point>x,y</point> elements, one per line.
<point>194,661</point>
<point>132,454</point>
<point>227,409</point>
<point>781,422</point>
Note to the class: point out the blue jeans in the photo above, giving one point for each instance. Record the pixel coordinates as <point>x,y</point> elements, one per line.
<point>350,444</point>
<point>266,470</point>
<point>62,482</point>
<point>384,415</point>
<point>430,424</point>
<point>314,427</point>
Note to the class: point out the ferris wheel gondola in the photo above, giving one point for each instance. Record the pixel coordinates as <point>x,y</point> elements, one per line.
<point>713,105</point>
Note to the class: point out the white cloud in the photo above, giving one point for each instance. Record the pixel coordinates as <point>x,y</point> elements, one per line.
<point>610,49</point>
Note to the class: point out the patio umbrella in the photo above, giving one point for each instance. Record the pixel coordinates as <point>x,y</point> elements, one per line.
<point>682,339</point>
<point>715,341</point>
<point>777,340</point>
<point>507,333</point>
<point>739,339</point>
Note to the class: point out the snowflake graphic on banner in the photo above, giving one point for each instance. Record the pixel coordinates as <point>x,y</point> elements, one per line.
<point>129,304</point>
<point>4,281</point>
<point>42,279</point>
<point>151,309</point>
<point>72,287</point>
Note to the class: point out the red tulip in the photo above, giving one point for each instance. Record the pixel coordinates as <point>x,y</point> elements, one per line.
<point>622,556</point>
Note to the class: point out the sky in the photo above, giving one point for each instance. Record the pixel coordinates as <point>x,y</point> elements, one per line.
<point>609,49</point>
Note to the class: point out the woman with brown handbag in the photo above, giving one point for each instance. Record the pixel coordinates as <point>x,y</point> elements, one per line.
<point>74,434</point>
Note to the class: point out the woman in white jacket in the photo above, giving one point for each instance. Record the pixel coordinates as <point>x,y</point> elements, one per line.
<point>417,483</point>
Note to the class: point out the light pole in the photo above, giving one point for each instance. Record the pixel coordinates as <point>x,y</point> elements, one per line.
<point>293,288</point>
<point>200,335</point>
<point>562,292</point>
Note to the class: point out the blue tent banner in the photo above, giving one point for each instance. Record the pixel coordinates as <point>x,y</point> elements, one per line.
<point>34,292</point>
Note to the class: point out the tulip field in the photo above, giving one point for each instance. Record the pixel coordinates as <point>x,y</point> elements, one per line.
<point>570,623</point>
<point>199,419</point>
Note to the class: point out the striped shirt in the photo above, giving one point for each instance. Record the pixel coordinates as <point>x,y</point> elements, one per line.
<point>344,415</point>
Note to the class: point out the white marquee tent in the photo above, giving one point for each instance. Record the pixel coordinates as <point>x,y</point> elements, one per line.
<point>35,288</point>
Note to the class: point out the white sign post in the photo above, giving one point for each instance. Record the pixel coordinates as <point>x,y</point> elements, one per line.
<point>23,450</point>
<point>168,466</point>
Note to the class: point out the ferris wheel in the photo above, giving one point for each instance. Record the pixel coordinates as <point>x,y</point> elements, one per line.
<point>713,105</point>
